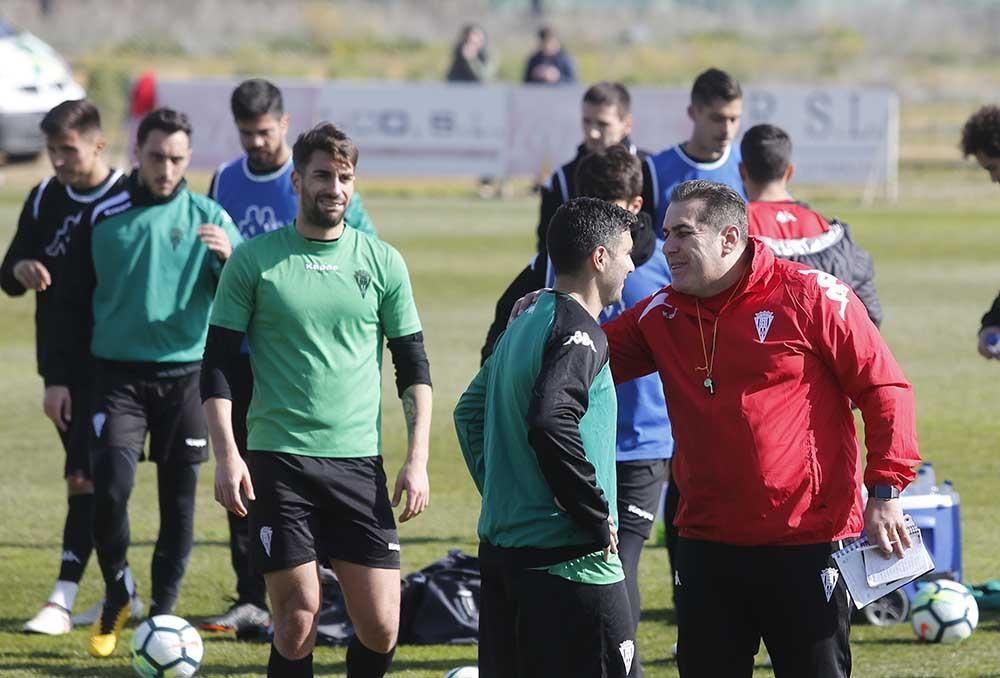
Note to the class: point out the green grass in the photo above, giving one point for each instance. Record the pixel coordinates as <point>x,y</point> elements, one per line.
<point>936,275</point>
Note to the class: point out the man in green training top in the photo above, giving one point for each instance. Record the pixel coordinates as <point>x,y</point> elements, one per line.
<point>145,261</point>
<point>316,301</point>
<point>537,429</point>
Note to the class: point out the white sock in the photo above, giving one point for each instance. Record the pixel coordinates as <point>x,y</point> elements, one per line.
<point>64,594</point>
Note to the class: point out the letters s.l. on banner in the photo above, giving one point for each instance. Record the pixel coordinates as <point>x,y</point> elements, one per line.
<point>843,135</point>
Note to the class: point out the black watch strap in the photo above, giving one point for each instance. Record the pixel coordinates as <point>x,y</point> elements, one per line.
<point>884,492</point>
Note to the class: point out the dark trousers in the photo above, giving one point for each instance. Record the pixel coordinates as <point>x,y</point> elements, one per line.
<point>670,532</point>
<point>730,597</point>
<point>536,625</point>
<point>250,586</point>
<point>114,478</point>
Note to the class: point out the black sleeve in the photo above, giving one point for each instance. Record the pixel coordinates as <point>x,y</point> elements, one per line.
<point>219,365</point>
<point>71,309</point>
<point>559,399</point>
<point>552,198</point>
<point>22,246</point>
<point>992,316</point>
<point>211,186</point>
<point>530,279</point>
<point>410,361</point>
<point>649,196</point>
<point>864,285</point>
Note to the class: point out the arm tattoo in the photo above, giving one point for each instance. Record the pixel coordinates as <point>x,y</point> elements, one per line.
<point>409,411</point>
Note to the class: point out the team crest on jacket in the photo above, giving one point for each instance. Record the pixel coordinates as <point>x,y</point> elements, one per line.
<point>175,237</point>
<point>364,279</point>
<point>762,320</point>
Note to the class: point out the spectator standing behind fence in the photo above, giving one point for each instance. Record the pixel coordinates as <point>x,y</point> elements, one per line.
<point>550,64</point>
<point>471,61</point>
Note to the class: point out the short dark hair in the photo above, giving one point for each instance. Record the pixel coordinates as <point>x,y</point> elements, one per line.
<point>546,32</point>
<point>721,205</point>
<point>609,94</point>
<point>981,133</point>
<point>581,225</point>
<point>256,97</point>
<point>78,115</point>
<point>715,84</point>
<point>164,119</point>
<point>325,137</point>
<point>767,152</point>
<point>612,174</point>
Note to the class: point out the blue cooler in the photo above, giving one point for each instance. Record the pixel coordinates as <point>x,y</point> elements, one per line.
<point>937,516</point>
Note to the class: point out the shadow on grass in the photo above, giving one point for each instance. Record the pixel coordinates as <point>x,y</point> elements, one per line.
<point>664,615</point>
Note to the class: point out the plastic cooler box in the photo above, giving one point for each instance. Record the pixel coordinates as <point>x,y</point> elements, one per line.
<point>938,517</point>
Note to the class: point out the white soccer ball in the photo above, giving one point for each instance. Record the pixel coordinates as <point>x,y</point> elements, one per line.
<point>463,672</point>
<point>944,611</point>
<point>166,646</point>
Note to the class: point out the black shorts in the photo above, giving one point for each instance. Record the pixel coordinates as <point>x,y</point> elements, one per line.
<point>76,438</point>
<point>533,624</point>
<point>640,484</point>
<point>790,596</point>
<point>320,508</point>
<point>130,402</point>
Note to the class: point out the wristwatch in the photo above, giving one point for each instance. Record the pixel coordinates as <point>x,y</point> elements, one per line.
<point>883,492</point>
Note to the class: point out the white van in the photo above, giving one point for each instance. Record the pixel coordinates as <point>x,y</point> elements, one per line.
<point>33,79</point>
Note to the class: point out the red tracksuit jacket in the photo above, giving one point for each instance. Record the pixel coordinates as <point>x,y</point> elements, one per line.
<point>772,457</point>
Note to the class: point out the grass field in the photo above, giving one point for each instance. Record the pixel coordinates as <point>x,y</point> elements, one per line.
<point>937,271</point>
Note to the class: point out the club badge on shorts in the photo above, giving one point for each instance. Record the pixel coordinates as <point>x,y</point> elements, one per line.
<point>265,539</point>
<point>829,577</point>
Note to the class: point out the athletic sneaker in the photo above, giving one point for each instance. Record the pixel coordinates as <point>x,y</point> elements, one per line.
<point>246,619</point>
<point>106,631</point>
<point>90,615</point>
<point>51,620</point>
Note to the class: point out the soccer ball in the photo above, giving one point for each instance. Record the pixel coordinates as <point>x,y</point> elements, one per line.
<point>463,672</point>
<point>166,646</point>
<point>944,612</point>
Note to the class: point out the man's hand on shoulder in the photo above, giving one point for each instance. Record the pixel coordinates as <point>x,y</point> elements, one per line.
<point>215,240</point>
<point>413,480</point>
<point>32,274</point>
<point>524,303</point>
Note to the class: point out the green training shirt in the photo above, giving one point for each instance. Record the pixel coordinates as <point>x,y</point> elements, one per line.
<point>315,314</point>
<point>537,430</point>
<point>153,278</point>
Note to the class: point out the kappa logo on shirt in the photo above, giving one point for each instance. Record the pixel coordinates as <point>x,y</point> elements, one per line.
<point>783,217</point>
<point>835,290</point>
<point>323,268</point>
<point>60,241</point>
<point>258,219</point>
<point>580,339</point>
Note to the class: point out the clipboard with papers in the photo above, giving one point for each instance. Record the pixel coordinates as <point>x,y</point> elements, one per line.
<point>869,575</point>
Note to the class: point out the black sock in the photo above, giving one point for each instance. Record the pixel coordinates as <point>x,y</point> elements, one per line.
<point>365,663</point>
<point>78,537</point>
<point>119,588</point>
<point>280,667</point>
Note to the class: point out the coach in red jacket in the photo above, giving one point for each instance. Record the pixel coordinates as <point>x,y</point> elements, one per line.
<point>760,360</point>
